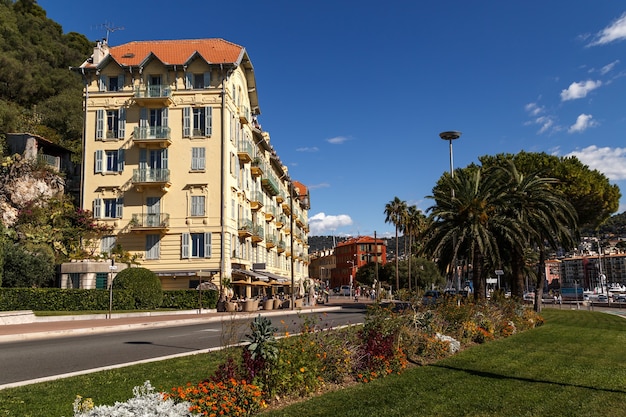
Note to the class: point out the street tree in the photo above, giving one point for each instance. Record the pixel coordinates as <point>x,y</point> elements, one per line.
<point>394,213</point>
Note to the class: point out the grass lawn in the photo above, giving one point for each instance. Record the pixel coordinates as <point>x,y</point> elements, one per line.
<point>571,366</point>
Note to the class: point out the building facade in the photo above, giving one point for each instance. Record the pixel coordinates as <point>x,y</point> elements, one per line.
<point>176,161</point>
<point>354,253</point>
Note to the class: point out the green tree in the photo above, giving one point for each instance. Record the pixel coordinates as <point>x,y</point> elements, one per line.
<point>394,213</point>
<point>543,214</point>
<point>30,265</point>
<point>588,191</point>
<point>470,221</point>
<point>144,285</point>
<point>414,225</point>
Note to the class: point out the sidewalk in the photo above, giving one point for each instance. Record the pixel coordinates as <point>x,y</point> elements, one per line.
<point>60,326</point>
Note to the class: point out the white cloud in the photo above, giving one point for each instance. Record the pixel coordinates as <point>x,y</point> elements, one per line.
<point>320,185</point>
<point>607,68</point>
<point>538,117</point>
<point>579,90</point>
<point>534,109</point>
<point>583,122</point>
<point>308,149</point>
<point>610,161</point>
<point>337,140</point>
<point>321,224</point>
<point>616,31</point>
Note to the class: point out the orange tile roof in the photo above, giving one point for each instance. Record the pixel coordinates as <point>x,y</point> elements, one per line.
<point>177,52</point>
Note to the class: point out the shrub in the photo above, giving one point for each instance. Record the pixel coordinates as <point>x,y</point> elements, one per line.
<point>144,285</point>
<point>224,398</point>
<point>146,402</point>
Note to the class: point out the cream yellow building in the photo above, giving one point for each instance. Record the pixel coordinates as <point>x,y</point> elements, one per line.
<point>176,161</point>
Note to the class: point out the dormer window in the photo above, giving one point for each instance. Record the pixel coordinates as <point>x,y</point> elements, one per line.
<point>197,81</point>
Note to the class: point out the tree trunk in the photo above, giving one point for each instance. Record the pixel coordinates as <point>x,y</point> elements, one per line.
<point>479,285</point>
<point>540,280</point>
<point>517,272</point>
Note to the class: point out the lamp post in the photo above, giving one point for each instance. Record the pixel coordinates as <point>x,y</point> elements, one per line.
<point>351,275</point>
<point>450,136</point>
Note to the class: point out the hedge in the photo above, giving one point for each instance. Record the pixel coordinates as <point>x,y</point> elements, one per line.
<point>61,299</point>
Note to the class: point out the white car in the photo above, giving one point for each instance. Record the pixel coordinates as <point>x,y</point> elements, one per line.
<point>603,298</point>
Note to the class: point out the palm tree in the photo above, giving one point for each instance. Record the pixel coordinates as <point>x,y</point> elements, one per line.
<point>470,221</point>
<point>413,227</point>
<point>394,212</point>
<point>543,214</point>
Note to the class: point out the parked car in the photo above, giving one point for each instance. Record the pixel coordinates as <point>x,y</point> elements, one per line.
<point>602,298</point>
<point>621,298</point>
<point>345,290</point>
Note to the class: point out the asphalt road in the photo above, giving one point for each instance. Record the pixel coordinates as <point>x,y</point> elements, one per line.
<point>38,360</point>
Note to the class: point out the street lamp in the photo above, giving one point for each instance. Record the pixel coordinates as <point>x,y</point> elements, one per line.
<point>450,136</point>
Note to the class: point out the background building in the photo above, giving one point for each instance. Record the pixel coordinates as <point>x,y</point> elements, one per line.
<point>353,253</point>
<point>175,159</point>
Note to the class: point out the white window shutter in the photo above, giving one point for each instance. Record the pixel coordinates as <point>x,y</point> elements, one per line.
<point>207,245</point>
<point>188,81</point>
<point>207,79</point>
<point>184,247</point>
<point>121,123</point>
<point>120,160</point>
<point>119,206</point>
<point>99,124</point>
<point>97,208</point>
<point>186,122</point>
<point>98,161</point>
<point>102,83</point>
<point>208,114</point>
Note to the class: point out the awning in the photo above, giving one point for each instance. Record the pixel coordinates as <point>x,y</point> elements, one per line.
<point>252,274</point>
<point>275,277</point>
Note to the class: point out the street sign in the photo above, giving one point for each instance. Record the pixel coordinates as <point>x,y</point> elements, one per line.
<point>499,272</point>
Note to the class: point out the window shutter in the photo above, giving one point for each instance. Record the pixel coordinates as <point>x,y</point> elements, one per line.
<point>143,158</point>
<point>98,161</point>
<point>119,205</point>
<point>120,82</point>
<point>143,118</point>
<point>121,123</point>
<point>186,122</point>
<point>184,247</point>
<point>120,160</point>
<point>97,208</point>
<point>208,114</point>
<point>102,83</point>
<point>99,124</point>
<point>164,114</point>
<point>202,158</point>
<point>189,81</point>
<point>207,245</point>
<point>207,79</point>
<point>164,158</point>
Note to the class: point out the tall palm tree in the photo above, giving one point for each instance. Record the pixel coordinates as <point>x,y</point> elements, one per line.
<point>470,221</point>
<point>413,227</point>
<point>394,212</point>
<point>545,216</point>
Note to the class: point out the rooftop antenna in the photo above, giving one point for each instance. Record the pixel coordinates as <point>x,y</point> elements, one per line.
<point>110,28</point>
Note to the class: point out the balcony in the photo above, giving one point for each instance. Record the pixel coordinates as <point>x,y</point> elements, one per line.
<point>280,248</point>
<point>270,213</point>
<point>153,95</point>
<point>244,115</point>
<point>157,135</point>
<point>149,221</point>
<point>256,200</point>
<point>244,152</point>
<point>258,233</point>
<point>280,197</point>
<point>256,170</point>
<point>280,221</point>
<point>51,161</point>
<point>270,185</point>
<point>270,241</point>
<point>245,228</point>
<point>148,177</point>
<point>286,208</point>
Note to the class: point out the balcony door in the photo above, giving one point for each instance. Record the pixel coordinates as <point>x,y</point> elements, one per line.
<point>153,217</point>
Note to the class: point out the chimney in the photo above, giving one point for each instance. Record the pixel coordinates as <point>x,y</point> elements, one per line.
<point>100,51</point>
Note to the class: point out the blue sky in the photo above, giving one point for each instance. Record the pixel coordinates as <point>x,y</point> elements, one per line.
<point>355,93</point>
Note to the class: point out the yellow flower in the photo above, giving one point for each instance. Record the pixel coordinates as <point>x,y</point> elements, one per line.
<point>302,369</point>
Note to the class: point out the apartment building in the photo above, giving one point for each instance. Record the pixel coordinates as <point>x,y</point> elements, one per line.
<point>177,162</point>
<point>354,253</point>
